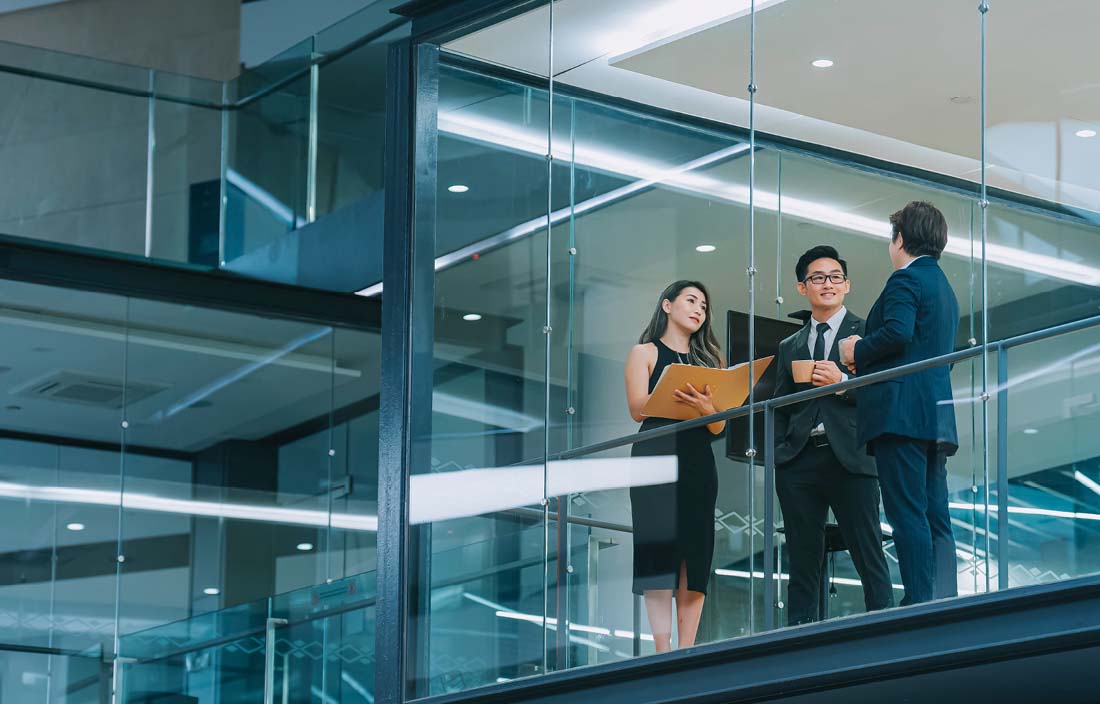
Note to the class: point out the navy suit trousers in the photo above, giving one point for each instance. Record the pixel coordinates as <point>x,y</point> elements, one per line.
<point>913,477</point>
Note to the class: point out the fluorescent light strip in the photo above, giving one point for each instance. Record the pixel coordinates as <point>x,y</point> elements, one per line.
<point>499,134</point>
<point>272,204</point>
<point>132,335</point>
<point>188,507</point>
<point>534,225</point>
<point>743,574</point>
<point>552,624</point>
<point>237,374</point>
<point>1029,511</point>
<point>1087,482</point>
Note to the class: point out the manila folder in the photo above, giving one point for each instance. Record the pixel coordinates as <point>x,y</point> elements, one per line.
<point>731,387</point>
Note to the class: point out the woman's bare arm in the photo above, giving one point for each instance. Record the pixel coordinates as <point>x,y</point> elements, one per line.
<point>639,365</point>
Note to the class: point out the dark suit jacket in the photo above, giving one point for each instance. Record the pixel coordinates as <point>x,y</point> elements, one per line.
<point>915,318</point>
<point>794,423</point>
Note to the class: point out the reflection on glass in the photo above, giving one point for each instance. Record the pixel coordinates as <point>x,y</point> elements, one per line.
<point>1053,491</point>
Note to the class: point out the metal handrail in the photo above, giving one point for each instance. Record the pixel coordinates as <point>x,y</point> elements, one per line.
<point>822,391</point>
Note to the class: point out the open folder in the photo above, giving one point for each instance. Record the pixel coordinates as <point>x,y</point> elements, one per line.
<point>731,387</point>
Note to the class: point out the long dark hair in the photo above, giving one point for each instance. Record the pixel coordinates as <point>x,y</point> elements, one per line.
<point>703,350</point>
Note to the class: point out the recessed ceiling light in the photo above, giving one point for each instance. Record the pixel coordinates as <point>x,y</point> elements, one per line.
<point>211,591</point>
<point>75,526</point>
<point>458,188</point>
<point>822,63</point>
<point>705,248</point>
<point>471,317</point>
<point>1085,133</point>
<point>305,547</point>
<point>1031,431</point>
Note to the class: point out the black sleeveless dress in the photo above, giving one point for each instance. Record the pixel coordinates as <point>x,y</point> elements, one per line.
<point>674,523</point>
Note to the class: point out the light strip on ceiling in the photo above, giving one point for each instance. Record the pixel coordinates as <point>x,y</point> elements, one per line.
<point>188,507</point>
<point>236,375</point>
<point>173,342</point>
<point>1087,482</point>
<point>660,174</point>
<point>270,203</point>
<point>743,574</point>
<point>503,135</point>
<point>1030,511</point>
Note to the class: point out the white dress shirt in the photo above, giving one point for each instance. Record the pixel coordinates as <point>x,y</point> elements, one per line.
<point>830,338</point>
<point>906,265</point>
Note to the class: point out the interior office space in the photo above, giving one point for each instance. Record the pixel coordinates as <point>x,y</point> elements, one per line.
<point>313,357</point>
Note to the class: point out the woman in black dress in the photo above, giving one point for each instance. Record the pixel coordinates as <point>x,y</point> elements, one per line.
<point>674,523</point>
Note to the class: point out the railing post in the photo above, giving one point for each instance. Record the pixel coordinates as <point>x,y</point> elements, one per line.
<point>1002,467</point>
<point>769,518</point>
<point>269,658</point>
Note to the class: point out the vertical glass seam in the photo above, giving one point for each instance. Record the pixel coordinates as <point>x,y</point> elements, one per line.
<point>751,451</point>
<point>223,168</point>
<point>116,673</point>
<point>546,347</point>
<point>150,152</point>
<point>311,148</point>
<point>983,10</point>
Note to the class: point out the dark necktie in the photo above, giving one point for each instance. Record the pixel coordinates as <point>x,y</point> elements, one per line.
<point>819,346</point>
<point>819,356</point>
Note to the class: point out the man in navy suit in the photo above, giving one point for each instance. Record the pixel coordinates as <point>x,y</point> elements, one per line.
<point>909,423</point>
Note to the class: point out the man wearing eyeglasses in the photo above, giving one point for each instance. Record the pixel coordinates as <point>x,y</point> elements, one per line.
<point>819,463</point>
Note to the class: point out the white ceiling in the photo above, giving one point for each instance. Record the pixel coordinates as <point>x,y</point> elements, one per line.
<point>223,375</point>
<point>879,98</point>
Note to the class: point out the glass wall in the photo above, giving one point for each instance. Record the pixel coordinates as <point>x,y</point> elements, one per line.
<point>164,461</point>
<point>574,161</point>
<point>276,174</point>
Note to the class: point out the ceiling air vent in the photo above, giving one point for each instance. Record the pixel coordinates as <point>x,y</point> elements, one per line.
<point>86,390</point>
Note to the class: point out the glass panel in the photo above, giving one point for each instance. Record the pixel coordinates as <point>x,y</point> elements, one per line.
<point>216,657</point>
<point>479,551</point>
<point>1044,269</point>
<point>1042,142</point>
<point>227,478</point>
<point>74,164</point>
<point>63,376</point>
<point>1052,465</point>
<point>73,66</point>
<point>267,169</point>
<point>53,679</point>
<point>326,650</point>
<point>186,180</point>
<point>342,250</point>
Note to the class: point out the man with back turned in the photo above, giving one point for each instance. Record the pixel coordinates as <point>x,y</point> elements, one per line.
<point>908,423</point>
<point>819,463</point>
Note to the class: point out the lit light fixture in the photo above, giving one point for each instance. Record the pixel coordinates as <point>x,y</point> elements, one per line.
<point>458,188</point>
<point>705,248</point>
<point>471,317</point>
<point>1031,431</point>
<point>1085,133</point>
<point>822,63</point>
<point>1087,482</point>
<point>75,526</point>
<point>305,547</point>
<point>211,591</point>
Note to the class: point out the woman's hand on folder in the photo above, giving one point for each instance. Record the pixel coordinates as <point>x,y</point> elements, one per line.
<point>702,402</point>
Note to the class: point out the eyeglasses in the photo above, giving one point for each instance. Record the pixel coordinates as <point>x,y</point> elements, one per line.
<point>819,279</point>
